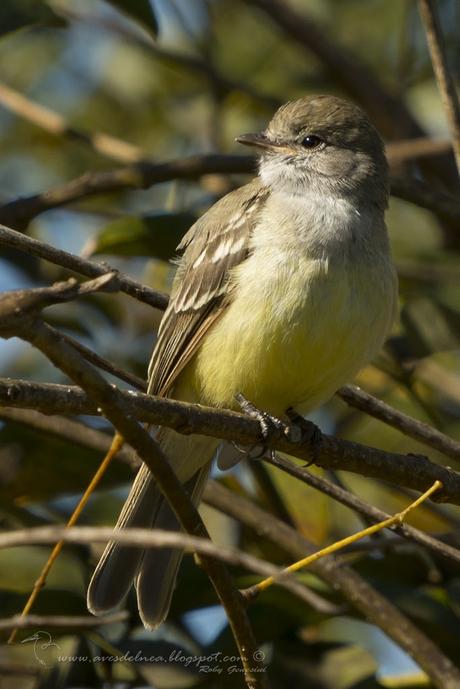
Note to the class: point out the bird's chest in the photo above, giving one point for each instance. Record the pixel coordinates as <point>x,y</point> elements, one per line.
<point>307,311</point>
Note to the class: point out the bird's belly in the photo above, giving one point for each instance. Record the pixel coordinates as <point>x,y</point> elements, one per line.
<point>295,340</point>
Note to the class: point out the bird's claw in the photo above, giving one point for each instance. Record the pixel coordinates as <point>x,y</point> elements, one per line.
<point>270,427</point>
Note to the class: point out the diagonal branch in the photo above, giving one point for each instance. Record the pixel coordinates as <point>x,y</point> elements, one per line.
<point>446,85</point>
<point>108,398</point>
<point>374,514</point>
<point>17,240</point>
<point>55,124</point>
<point>423,432</point>
<point>364,598</point>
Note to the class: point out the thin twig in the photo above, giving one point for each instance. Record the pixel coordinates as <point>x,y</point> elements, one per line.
<point>254,591</point>
<point>423,432</point>
<point>55,124</point>
<point>105,365</point>
<point>446,85</point>
<point>73,622</point>
<point>74,432</point>
<point>20,212</point>
<point>345,497</point>
<point>158,538</point>
<point>17,240</point>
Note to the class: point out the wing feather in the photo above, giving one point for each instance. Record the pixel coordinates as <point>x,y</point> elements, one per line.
<point>214,245</point>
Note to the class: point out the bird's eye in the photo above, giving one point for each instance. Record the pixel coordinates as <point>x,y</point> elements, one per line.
<point>311,141</point>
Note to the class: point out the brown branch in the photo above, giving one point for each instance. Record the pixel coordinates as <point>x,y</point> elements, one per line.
<point>375,607</point>
<point>17,240</point>
<point>415,429</point>
<point>74,432</point>
<point>56,124</point>
<point>19,213</point>
<point>85,436</point>
<point>29,327</point>
<point>158,538</point>
<point>412,471</point>
<point>372,513</point>
<point>29,300</point>
<point>73,622</point>
<point>105,365</point>
<point>446,85</point>
<point>408,150</point>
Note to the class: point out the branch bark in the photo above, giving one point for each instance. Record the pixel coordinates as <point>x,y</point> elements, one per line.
<point>19,212</point>
<point>444,78</point>
<point>17,240</point>
<point>412,471</point>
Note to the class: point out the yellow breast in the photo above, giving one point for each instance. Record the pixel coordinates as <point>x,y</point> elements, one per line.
<point>296,330</point>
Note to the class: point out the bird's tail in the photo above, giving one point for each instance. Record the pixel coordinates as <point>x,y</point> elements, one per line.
<point>153,571</point>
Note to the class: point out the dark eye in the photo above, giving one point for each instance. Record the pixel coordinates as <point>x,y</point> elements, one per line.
<point>311,141</point>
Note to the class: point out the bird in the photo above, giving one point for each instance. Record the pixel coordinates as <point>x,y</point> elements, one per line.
<point>285,288</point>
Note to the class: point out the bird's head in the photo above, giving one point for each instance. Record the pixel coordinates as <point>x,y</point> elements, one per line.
<point>322,144</point>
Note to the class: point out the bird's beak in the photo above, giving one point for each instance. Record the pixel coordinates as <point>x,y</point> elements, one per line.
<point>261,140</point>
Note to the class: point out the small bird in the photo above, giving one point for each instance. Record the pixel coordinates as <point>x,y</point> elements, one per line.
<point>285,289</point>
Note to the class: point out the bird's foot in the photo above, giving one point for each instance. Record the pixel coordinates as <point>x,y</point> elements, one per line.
<point>270,427</point>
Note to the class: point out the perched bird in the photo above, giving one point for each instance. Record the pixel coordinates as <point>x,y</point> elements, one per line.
<point>285,289</point>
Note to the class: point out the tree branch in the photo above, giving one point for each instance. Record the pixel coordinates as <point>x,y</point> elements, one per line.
<point>412,471</point>
<point>31,328</point>
<point>375,607</point>
<point>375,515</point>
<point>444,78</point>
<point>19,212</point>
<point>17,240</point>
<point>80,434</point>
<point>158,538</point>
<point>55,124</point>
<point>423,432</point>
<point>73,622</point>
<point>74,432</point>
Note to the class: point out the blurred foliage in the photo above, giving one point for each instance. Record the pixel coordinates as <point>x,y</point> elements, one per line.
<point>112,67</point>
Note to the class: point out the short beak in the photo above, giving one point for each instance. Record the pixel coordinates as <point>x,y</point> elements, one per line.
<point>262,141</point>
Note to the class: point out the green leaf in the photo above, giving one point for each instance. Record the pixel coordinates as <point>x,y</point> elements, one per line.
<point>152,235</point>
<point>139,10</point>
